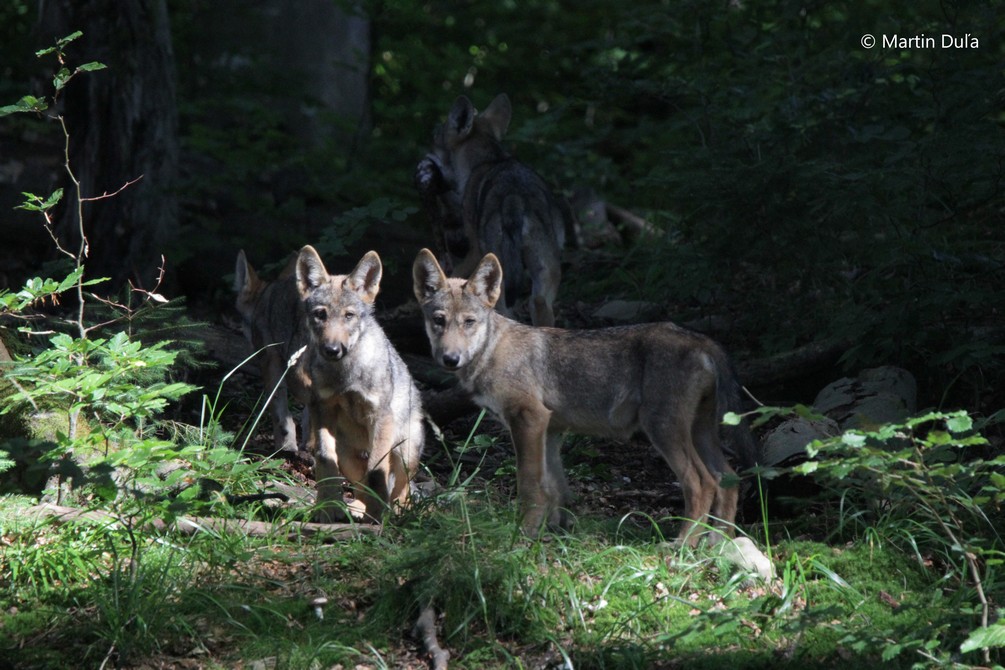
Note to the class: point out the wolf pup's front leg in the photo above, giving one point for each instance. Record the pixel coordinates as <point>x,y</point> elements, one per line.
<point>327,474</point>
<point>541,484</point>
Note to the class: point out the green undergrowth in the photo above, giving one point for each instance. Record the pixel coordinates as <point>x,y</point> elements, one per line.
<point>603,596</point>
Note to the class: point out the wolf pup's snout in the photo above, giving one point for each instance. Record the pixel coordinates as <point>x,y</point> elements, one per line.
<point>334,351</point>
<point>451,360</point>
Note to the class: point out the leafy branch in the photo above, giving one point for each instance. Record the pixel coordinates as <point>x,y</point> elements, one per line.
<point>928,466</point>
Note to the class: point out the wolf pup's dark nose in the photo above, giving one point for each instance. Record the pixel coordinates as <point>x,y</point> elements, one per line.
<point>333,351</point>
<point>451,360</point>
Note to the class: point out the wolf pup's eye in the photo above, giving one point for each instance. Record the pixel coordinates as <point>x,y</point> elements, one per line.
<point>349,316</point>
<point>469,322</point>
<point>439,320</point>
<point>319,314</point>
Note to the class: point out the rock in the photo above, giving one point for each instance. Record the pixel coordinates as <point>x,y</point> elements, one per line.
<point>877,396</point>
<point>595,228</point>
<point>789,439</point>
<point>627,310</point>
<point>744,554</point>
<point>710,324</point>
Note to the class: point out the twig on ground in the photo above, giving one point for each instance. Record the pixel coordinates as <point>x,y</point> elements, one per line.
<point>191,525</point>
<point>425,629</point>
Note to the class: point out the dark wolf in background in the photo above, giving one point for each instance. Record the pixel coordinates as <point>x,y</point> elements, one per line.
<point>505,207</point>
<point>272,321</point>
<point>434,180</point>
<point>669,383</point>
<point>365,408</point>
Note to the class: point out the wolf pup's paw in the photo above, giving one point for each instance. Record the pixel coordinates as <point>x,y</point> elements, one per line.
<point>428,176</point>
<point>560,519</point>
<point>328,514</point>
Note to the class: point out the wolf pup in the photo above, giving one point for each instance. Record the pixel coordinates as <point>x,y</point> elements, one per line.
<point>364,407</point>
<point>273,323</point>
<point>669,383</point>
<point>506,208</point>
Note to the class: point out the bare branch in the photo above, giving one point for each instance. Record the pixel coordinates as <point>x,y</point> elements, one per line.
<point>106,194</point>
<point>193,525</point>
<point>425,628</point>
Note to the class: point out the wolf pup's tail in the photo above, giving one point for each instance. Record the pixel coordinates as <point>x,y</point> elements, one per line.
<point>510,251</point>
<point>737,441</point>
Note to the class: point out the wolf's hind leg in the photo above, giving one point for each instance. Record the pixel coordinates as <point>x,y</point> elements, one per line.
<point>556,483</point>
<point>671,434</point>
<point>705,433</point>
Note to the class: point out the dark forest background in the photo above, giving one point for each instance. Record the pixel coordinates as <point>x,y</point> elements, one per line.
<point>805,189</point>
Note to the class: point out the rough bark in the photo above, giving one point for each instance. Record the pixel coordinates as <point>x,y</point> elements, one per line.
<point>308,60</point>
<point>123,126</point>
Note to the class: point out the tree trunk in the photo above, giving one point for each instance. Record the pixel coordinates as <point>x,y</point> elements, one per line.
<point>308,60</point>
<point>123,126</point>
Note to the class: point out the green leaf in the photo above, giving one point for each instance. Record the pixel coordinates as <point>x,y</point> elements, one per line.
<point>992,636</point>
<point>71,279</point>
<point>959,424</point>
<point>91,67</point>
<point>35,203</point>
<point>891,651</point>
<point>807,412</point>
<point>63,41</point>
<point>853,439</point>
<point>731,419</point>
<point>62,76</point>
<point>28,103</point>
<point>806,468</point>
<point>51,201</point>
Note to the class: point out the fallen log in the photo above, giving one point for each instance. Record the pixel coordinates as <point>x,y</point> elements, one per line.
<point>329,532</point>
<point>790,365</point>
<point>445,406</point>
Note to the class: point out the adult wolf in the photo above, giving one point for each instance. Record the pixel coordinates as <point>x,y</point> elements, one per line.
<point>437,187</point>
<point>364,407</point>
<point>671,384</point>
<point>273,323</point>
<point>506,208</point>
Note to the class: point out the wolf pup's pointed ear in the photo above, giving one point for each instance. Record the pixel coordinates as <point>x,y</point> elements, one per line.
<point>486,281</point>
<point>244,275</point>
<point>461,117</point>
<point>365,277</point>
<point>427,276</point>
<point>498,114</point>
<point>311,272</point>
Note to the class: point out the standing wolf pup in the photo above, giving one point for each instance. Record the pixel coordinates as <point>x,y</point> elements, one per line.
<point>506,208</point>
<point>273,324</point>
<point>669,383</point>
<point>364,407</point>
